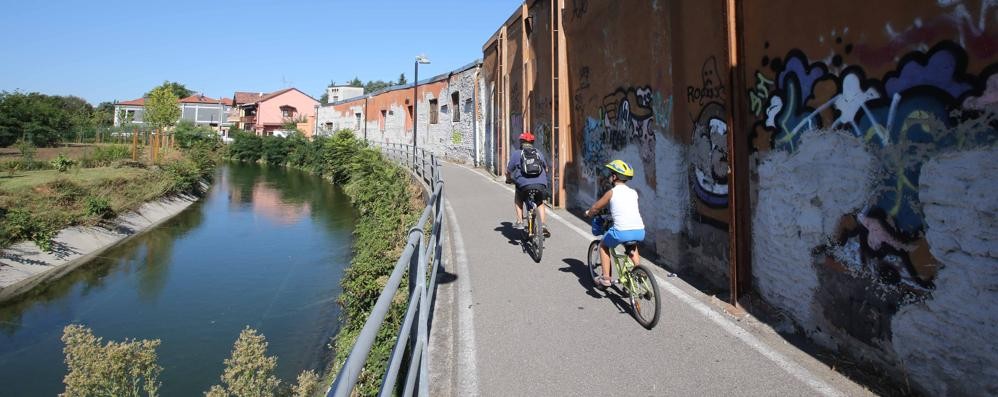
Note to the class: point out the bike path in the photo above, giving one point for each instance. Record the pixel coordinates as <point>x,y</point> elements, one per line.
<point>513,327</point>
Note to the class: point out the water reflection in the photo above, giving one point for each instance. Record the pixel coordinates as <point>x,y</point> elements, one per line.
<point>266,248</point>
<point>148,255</point>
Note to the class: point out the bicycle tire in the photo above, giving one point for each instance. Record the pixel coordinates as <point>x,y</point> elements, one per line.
<point>643,294</point>
<point>593,261</point>
<point>538,234</point>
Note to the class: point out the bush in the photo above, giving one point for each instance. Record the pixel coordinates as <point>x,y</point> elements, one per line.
<point>246,147</point>
<point>188,134</point>
<point>103,156</point>
<point>18,225</point>
<point>62,163</point>
<point>99,207</point>
<point>184,176</point>
<point>275,150</point>
<point>114,369</point>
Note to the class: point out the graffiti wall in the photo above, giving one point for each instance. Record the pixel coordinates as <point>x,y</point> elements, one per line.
<point>874,139</point>
<point>623,96</point>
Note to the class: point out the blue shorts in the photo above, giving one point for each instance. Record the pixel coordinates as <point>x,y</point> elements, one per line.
<point>614,237</point>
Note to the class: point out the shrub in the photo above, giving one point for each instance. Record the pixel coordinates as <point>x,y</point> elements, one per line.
<point>114,369</point>
<point>103,156</point>
<point>99,207</point>
<point>184,176</point>
<point>188,134</point>
<point>62,163</point>
<point>248,371</point>
<point>275,150</point>
<point>246,147</point>
<point>18,224</point>
<point>27,150</point>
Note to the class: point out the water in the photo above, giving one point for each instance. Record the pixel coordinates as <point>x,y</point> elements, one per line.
<point>266,248</point>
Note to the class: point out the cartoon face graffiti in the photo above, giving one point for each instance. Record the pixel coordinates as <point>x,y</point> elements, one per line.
<point>709,157</point>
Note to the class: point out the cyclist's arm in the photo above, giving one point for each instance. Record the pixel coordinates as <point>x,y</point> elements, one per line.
<point>600,204</point>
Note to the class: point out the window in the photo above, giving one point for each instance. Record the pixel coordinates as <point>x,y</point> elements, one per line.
<point>381,122</point>
<point>455,99</point>
<point>288,111</point>
<point>358,122</point>
<point>434,111</point>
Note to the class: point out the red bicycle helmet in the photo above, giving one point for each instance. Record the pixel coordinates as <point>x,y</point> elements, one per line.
<point>527,136</point>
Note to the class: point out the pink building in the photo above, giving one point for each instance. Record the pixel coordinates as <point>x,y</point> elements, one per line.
<point>267,114</point>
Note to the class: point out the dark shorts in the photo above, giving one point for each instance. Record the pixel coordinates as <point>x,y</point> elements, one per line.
<point>540,196</point>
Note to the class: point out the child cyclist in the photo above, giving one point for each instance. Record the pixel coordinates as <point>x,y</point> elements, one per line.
<point>627,223</point>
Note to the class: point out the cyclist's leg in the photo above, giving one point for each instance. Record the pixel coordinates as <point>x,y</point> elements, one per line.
<point>604,257</point>
<point>635,235</point>
<point>518,205</point>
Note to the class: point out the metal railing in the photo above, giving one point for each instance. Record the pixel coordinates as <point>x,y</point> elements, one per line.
<point>421,250</point>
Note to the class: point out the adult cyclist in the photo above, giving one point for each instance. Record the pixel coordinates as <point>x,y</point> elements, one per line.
<point>627,223</point>
<point>528,170</point>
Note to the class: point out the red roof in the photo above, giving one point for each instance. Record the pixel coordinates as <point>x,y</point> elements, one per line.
<point>226,101</point>
<point>134,102</point>
<point>199,99</point>
<point>247,97</point>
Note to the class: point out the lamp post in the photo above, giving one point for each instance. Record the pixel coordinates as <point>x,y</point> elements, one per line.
<point>415,101</point>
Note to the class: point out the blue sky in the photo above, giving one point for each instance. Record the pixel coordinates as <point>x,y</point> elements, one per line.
<point>107,50</point>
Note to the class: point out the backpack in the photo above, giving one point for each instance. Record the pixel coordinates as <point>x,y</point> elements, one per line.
<point>530,163</point>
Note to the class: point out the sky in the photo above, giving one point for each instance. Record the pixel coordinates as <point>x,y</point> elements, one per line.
<point>118,50</point>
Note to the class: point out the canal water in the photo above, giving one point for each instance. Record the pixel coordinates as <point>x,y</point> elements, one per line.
<point>266,248</point>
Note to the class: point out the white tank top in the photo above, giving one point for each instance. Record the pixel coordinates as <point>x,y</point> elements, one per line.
<point>624,208</point>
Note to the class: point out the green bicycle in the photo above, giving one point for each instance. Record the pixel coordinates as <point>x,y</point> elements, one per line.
<point>634,280</point>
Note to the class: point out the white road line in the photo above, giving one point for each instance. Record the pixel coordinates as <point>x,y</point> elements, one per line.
<point>788,365</point>
<point>467,382</point>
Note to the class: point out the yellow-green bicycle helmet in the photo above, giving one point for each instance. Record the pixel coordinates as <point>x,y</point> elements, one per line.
<point>621,169</point>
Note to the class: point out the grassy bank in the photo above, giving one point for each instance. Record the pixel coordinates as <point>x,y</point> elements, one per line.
<point>387,204</point>
<point>38,200</point>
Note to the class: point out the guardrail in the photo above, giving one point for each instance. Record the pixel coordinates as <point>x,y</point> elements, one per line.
<point>421,250</point>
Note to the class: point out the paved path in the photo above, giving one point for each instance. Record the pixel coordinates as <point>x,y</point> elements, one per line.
<point>507,326</point>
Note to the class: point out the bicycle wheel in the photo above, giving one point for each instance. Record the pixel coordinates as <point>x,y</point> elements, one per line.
<point>643,291</point>
<point>593,260</point>
<point>538,234</point>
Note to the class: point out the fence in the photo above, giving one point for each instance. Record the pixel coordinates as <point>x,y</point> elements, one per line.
<point>421,250</point>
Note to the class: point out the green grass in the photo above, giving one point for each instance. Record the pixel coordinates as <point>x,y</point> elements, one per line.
<point>83,176</point>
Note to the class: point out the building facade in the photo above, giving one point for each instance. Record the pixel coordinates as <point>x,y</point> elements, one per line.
<point>267,114</point>
<point>447,121</point>
<point>338,93</point>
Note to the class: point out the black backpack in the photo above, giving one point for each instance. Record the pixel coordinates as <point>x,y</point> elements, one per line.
<point>530,162</point>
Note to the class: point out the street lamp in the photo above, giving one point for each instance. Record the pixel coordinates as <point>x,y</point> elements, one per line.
<point>415,101</point>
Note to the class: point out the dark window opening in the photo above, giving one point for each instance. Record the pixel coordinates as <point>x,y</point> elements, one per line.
<point>434,111</point>
<point>384,117</point>
<point>455,100</point>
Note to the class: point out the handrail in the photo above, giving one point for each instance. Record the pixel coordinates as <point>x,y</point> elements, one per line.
<point>418,253</point>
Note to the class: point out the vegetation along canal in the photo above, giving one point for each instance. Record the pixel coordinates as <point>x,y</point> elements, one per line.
<point>266,248</point>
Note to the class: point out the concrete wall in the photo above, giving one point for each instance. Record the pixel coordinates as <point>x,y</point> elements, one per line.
<point>386,116</point>
<point>873,130</point>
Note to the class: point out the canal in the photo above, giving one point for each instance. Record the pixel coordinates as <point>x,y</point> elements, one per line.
<point>265,248</point>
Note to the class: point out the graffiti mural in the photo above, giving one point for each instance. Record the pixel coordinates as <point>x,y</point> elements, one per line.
<point>625,116</point>
<point>709,156</point>
<point>926,106</point>
<point>711,87</point>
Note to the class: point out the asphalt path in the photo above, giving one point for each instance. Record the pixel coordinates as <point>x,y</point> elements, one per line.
<point>506,325</point>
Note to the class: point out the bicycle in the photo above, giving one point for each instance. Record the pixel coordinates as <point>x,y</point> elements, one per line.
<point>533,226</point>
<point>633,279</point>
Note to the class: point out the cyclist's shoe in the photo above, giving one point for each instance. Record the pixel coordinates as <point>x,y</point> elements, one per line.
<point>602,282</point>
<point>547,233</point>
<point>518,225</point>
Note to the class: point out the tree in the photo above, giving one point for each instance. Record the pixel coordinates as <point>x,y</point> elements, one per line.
<point>178,90</point>
<point>402,80</point>
<point>355,82</point>
<point>162,109</point>
<point>41,119</point>
<point>324,99</point>
<point>376,85</point>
